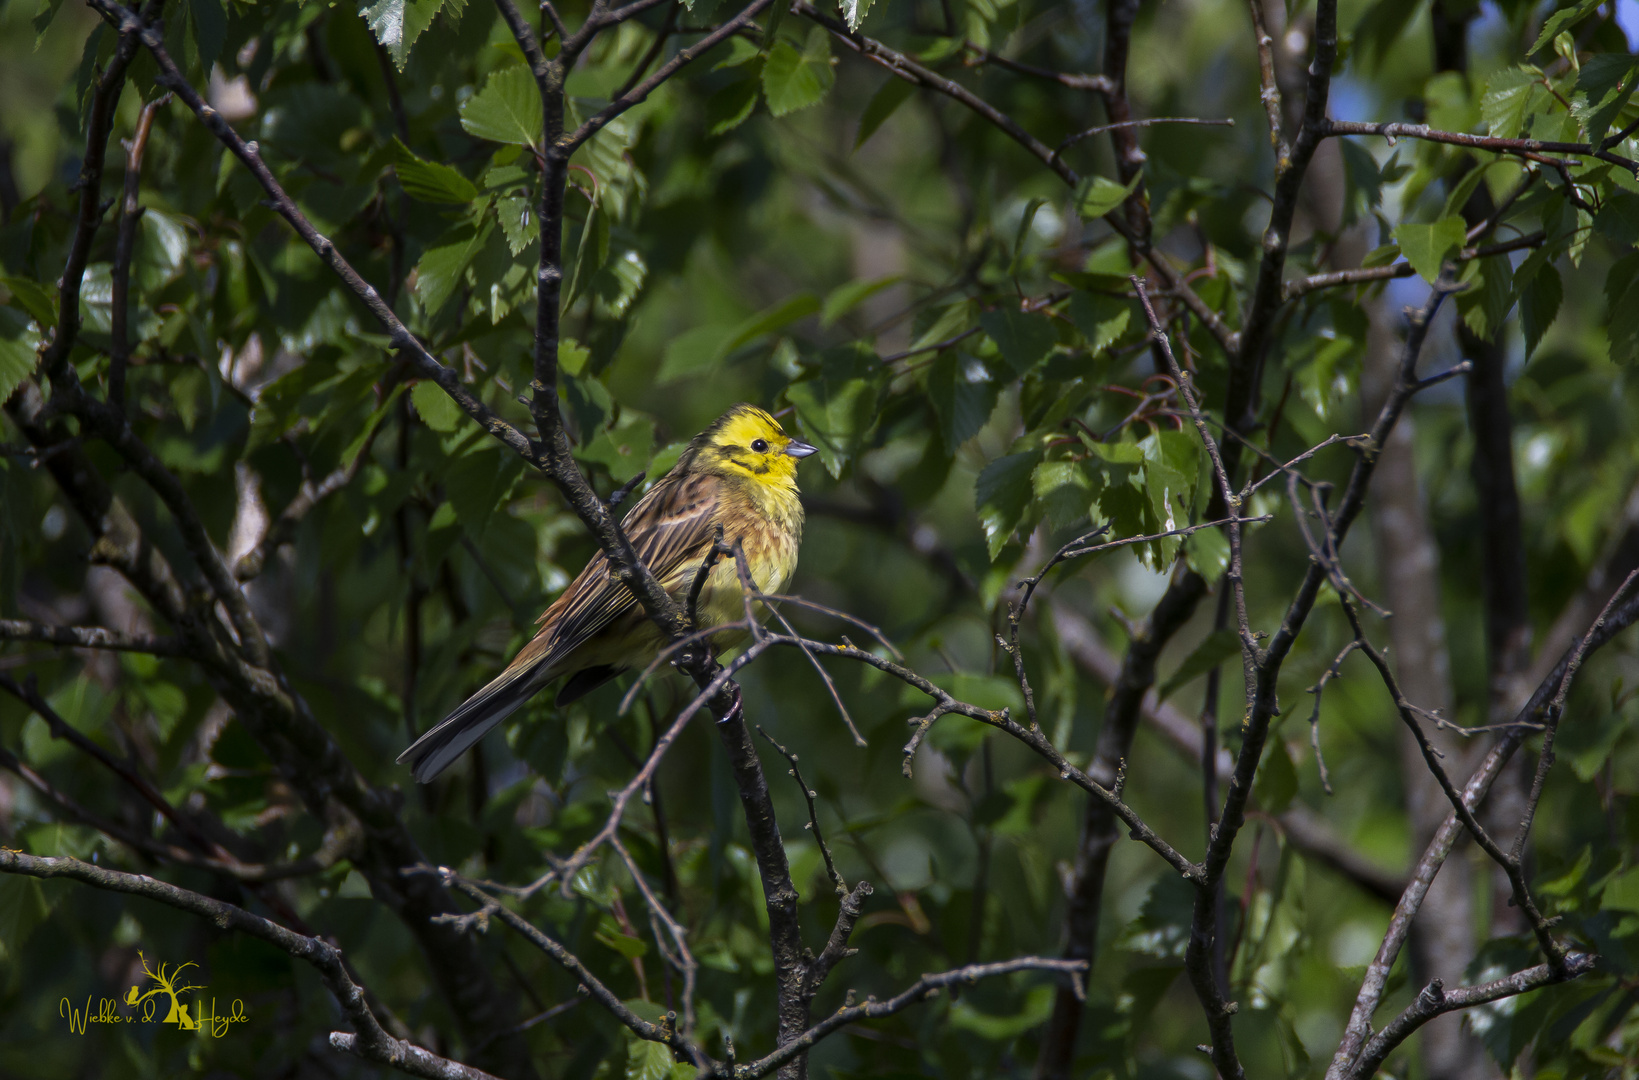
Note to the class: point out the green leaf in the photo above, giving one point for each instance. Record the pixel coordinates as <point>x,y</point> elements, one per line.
<point>853,11</point>
<point>705,346</point>
<point>1381,255</point>
<point>44,13</point>
<point>444,265</point>
<point>1621,893</point>
<point>1603,87</point>
<point>694,350</point>
<point>767,321</point>
<point>992,692</point>
<point>837,410</point>
<point>1096,196</point>
<point>1038,1006</point>
<point>952,321</point>
<point>645,1060</point>
<point>209,24</point>
<point>1622,309</point>
<point>507,109</point>
<point>793,80</point>
<point>731,106</point>
<point>477,482</point>
<point>894,93</point>
<point>1539,306</point>
<point>1507,100</point>
<point>1172,462</point>
<point>19,345</point>
<point>1161,929</point>
<point>1101,319</point>
<point>844,298</point>
<point>436,408</point>
<point>1363,181</point>
<point>430,181</point>
<point>23,907</point>
<point>1464,188</point>
<point>1563,19</point>
<point>398,23</point>
<point>1064,489</point>
<point>631,948</point>
<point>1207,552</point>
<point>32,297</point>
<point>1213,650</point>
<point>161,253</point>
<point>572,356</point>
<point>1277,780</point>
<point>617,284</point>
<point>740,51</point>
<point>1426,247</point>
<point>963,394</point>
<point>1489,296</point>
<point>1024,338</point>
<point>623,450</point>
<point>1618,219</point>
<point>516,216</point>
<point>590,255</point>
<point>1001,494</point>
<point>356,446</point>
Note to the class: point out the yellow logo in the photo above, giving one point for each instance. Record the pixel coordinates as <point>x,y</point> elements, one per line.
<point>145,1006</point>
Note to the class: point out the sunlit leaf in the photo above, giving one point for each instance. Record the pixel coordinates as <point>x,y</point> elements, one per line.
<point>441,270</point>
<point>430,181</point>
<point>398,23</point>
<point>507,109</point>
<point>1427,247</point>
<point>1001,494</point>
<point>894,93</point>
<point>844,298</point>
<point>1024,338</point>
<point>963,394</point>
<point>793,80</point>
<point>1603,87</point>
<point>837,409</point>
<point>1507,100</point>
<point>436,409</point>
<point>731,106</point>
<point>1097,196</point>
<point>1539,306</point>
<point>18,345</point>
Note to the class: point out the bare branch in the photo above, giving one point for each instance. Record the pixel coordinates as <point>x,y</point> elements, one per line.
<point>130,212</point>
<point>813,813</point>
<point>1373,986</point>
<point>1269,93</point>
<point>1435,1000</point>
<point>489,906</point>
<point>635,96</point>
<point>1392,132</point>
<point>90,637</point>
<point>371,1043</point>
<point>904,67</point>
<point>1366,275</point>
<point>925,987</point>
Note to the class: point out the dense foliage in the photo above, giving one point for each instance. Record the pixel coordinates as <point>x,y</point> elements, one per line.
<point>929,274</point>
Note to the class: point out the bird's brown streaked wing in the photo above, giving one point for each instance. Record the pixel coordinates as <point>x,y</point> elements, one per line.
<point>671,530</point>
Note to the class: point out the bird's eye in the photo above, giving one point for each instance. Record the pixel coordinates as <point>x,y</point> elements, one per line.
<point>760,445</point>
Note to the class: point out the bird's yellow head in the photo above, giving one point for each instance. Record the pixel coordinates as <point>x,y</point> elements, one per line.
<point>746,442</point>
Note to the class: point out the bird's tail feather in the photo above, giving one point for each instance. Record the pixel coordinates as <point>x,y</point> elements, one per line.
<point>472,720</point>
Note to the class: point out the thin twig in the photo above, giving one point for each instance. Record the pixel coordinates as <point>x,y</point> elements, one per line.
<point>813,813</point>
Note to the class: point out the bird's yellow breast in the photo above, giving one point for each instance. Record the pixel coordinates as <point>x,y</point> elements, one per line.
<point>766,521</point>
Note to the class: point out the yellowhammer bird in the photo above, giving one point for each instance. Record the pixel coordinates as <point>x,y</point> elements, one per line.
<point>740,473</point>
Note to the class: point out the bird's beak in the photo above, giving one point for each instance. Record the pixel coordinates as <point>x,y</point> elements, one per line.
<point>798,449</point>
